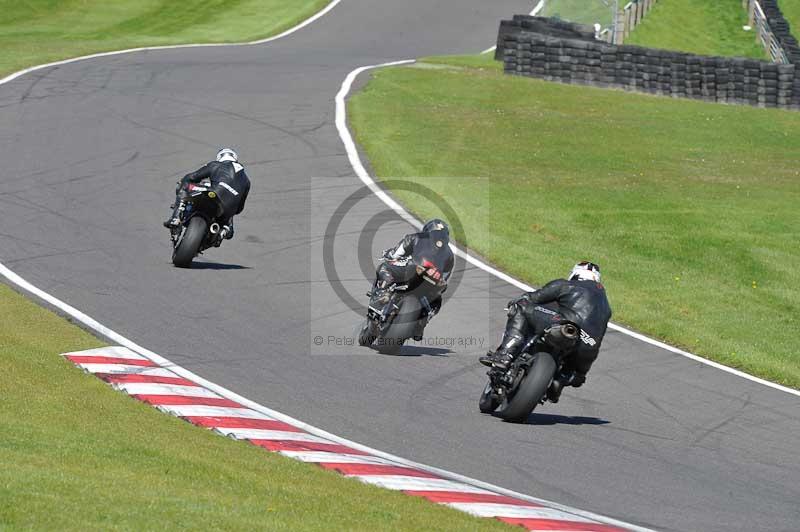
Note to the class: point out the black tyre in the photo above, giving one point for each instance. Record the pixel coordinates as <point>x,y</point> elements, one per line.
<point>189,244</point>
<point>488,402</point>
<point>530,391</point>
<point>365,336</point>
<point>402,327</point>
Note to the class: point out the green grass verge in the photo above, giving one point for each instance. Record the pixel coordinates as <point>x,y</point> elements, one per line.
<point>42,31</point>
<point>76,455</point>
<point>690,207</point>
<point>581,11</point>
<point>707,28</point>
<point>791,12</point>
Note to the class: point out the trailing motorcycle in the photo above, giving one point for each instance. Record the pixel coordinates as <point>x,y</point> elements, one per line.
<point>408,309</point>
<point>530,380</point>
<point>199,229</point>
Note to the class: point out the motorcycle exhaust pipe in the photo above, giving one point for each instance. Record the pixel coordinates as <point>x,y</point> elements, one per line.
<point>214,228</point>
<point>569,331</point>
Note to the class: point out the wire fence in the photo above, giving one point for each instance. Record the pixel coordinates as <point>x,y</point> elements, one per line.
<point>614,21</point>
<point>764,33</point>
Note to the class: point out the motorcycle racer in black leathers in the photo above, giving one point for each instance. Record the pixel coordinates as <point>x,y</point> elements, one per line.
<point>395,267</point>
<point>228,180</point>
<point>580,299</point>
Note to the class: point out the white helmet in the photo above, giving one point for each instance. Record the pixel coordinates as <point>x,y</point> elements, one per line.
<point>227,154</point>
<point>585,271</point>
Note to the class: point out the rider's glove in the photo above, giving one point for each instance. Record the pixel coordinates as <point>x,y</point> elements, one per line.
<point>524,299</point>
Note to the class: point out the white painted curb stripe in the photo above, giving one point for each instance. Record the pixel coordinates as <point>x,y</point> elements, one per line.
<point>510,510</point>
<point>211,411</point>
<point>533,13</point>
<point>363,175</point>
<point>124,369</point>
<point>263,434</point>
<point>321,457</point>
<point>140,388</point>
<point>407,483</point>
<point>286,33</point>
<point>104,352</point>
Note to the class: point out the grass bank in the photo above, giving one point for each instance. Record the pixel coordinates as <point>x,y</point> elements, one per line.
<point>791,12</point>
<point>76,455</point>
<point>42,31</point>
<point>690,207</point>
<point>581,11</point>
<point>707,28</point>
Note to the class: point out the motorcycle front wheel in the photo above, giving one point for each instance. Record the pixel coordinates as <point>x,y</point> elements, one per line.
<point>402,327</point>
<point>365,335</point>
<point>488,402</point>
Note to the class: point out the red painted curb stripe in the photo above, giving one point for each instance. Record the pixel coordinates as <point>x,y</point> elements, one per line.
<point>287,445</point>
<point>153,379</point>
<point>186,400</point>
<point>112,360</point>
<point>241,423</point>
<point>376,469</point>
<point>457,496</point>
<point>231,421</point>
<point>556,524</point>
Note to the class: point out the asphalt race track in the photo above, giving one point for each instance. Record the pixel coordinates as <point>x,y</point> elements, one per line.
<point>91,152</point>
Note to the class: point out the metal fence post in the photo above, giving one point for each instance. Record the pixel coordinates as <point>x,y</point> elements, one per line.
<point>620,26</point>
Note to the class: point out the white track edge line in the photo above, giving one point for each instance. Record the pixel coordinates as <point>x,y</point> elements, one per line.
<point>361,172</point>
<point>533,13</point>
<point>285,33</point>
<point>119,339</point>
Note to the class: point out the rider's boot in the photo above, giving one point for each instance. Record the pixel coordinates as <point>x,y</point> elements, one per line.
<point>565,378</point>
<point>419,330</point>
<point>504,355</point>
<point>175,219</point>
<point>555,389</point>
<point>227,230</point>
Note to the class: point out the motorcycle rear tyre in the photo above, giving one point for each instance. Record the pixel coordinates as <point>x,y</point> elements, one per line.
<point>189,244</point>
<point>531,390</point>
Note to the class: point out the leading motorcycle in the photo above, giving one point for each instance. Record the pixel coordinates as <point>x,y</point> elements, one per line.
<point>199,228</point>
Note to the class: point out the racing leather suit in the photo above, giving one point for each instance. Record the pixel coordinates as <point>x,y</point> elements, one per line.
<point>581,302</point>
<point>228,180</point>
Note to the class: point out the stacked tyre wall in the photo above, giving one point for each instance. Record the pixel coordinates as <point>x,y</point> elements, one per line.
<point>569,54</point>
<point>780,27</point>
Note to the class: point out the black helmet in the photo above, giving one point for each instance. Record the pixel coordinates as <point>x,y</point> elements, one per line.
<point>436,225</point>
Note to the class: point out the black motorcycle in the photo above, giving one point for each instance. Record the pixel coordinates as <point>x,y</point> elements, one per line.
<point>408,309</point>
<point>199,229</point>
<point>530,379</point>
